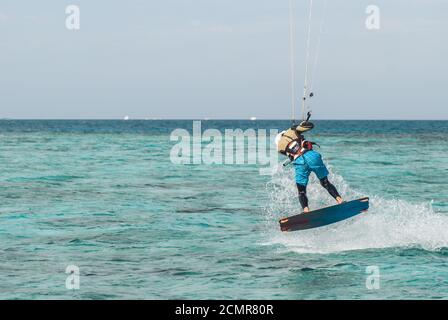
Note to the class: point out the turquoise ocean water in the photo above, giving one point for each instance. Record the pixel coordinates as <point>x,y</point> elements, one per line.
<point>104,196</point>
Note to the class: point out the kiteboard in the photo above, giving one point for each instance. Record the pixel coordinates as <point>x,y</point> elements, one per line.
<point>325,216</point>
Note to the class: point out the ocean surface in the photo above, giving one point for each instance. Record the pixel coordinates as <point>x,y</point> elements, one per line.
<point>105,197</point>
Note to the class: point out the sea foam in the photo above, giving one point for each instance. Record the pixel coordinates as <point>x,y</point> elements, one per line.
<point>388,223</point>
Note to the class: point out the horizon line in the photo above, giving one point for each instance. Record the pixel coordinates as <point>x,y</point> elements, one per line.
<point>209,119</point>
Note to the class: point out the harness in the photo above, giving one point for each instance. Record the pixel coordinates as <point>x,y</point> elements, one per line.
<point>299,146</point>
<point>292,143</point>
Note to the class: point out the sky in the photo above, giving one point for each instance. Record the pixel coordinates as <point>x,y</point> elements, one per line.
<point>221,59</point>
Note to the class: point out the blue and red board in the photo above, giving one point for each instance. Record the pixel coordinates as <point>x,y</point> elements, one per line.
<point>325,216</point>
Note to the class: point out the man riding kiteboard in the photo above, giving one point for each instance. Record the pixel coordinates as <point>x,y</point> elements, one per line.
<point>305,160</point>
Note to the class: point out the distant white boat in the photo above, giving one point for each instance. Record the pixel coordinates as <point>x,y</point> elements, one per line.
<point>253,118</point>
<point>126,118</point>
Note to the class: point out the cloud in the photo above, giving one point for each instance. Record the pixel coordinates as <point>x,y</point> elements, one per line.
<point>196,23</point>
<point>220,28</point>
<point>3,17</point>
<point>211,27</point>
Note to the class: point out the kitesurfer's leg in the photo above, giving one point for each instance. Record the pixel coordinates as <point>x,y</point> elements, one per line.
<point>302,177</point>
<point>302,197</point>
<point>314,160</point>
<point>331,189</point>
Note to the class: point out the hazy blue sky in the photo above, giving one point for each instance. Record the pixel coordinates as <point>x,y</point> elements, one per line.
<point>220,59</point>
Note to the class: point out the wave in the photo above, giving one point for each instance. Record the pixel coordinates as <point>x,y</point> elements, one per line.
<point>389,223</point>
<point>44,178</point>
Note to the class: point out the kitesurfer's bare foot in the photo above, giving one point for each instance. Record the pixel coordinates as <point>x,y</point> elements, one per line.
<point>306,209</point>
<point>339,200</point>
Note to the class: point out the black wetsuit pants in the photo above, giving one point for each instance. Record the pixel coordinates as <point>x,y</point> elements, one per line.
<point>325,183</point>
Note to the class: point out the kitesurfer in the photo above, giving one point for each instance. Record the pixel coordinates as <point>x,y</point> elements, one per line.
<point>305,160</point>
